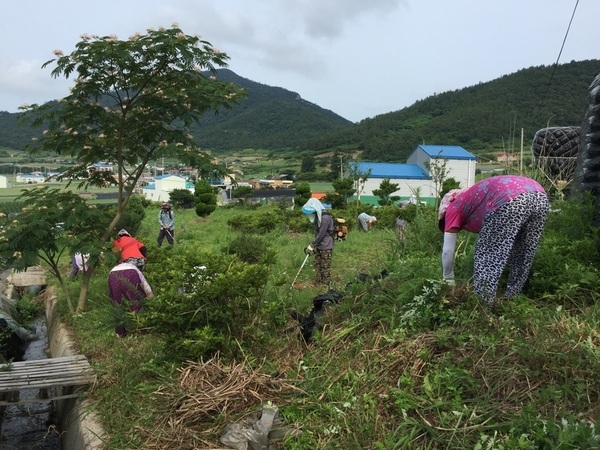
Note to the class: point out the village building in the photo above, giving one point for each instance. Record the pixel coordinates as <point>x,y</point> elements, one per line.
<point>414,178</point>
<point>30,178</point>
<point>160,190</point>
<point>4,183</point>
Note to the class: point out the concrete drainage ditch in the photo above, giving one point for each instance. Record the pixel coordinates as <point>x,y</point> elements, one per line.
<point>68,422</point>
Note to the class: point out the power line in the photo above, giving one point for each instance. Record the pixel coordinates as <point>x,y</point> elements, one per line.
<point>560,53</point>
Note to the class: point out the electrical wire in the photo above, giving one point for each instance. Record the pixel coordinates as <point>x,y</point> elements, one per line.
<point>559,53</point>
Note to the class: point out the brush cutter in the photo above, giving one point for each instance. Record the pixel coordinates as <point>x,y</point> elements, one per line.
<point>170,235</point>
<point>300,270</point>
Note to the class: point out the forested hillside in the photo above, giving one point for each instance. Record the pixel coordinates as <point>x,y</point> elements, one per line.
<point>485,117</point>
<point>270,118</point>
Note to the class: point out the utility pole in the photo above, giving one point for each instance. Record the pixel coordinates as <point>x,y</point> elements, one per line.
<point>341,167</point>
<point>521,164</point>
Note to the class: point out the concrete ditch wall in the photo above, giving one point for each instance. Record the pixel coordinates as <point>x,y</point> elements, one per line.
<point>79,424</point>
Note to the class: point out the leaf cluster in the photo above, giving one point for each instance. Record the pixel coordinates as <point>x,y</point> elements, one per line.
<point>204,301</point>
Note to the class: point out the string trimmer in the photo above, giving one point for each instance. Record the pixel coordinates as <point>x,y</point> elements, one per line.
<point>300,270</point>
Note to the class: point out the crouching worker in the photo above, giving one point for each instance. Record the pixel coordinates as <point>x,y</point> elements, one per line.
<point>322,245</point>
<point>79,264</point>
<point>131,249</point>
<point>365,221</point>
<point>127,284</point>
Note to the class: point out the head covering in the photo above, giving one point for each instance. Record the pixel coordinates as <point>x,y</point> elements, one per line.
<point>313,207</point>
<point>123,232</point>
<point>447,199</point>
<point>166,206</point>
<point>373,219</point>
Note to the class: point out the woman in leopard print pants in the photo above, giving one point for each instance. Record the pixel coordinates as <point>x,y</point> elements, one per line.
<point>509,213</point>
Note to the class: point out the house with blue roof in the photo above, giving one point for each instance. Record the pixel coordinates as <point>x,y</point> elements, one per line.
<point>414,177</point>
<point>160,190</point>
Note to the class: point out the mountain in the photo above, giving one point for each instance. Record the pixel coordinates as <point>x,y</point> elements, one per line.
<point>482,118</point>
<point>270,118</point>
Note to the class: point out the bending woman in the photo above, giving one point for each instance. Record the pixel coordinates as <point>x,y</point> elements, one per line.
<point>509,213</point>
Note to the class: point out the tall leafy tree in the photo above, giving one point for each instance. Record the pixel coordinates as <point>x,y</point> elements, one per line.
<point>51,224</point>
<point>309,164</point>
<point>439,172</point>
<point>133,102</point>
<point>359,179</point>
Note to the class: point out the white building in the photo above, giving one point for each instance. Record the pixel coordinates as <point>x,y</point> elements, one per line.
<point>415,176</point>
<point>30,178</point>
<point>4,183</point>
<point>160,190</point>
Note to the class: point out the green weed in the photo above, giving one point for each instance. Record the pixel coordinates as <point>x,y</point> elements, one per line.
<point>402,362</point>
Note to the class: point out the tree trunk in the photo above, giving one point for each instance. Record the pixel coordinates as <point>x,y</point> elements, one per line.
<point>85,284</point>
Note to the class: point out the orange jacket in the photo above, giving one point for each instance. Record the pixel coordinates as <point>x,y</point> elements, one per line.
<point>130,247</point>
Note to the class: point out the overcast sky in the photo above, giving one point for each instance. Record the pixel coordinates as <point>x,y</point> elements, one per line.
<point>357,58</point>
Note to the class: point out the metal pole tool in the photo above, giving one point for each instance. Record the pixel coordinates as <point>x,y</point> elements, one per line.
<point>300,270</point>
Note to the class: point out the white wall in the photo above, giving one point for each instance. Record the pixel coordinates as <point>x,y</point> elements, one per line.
<point>163,188</point>
<point>406,187</point>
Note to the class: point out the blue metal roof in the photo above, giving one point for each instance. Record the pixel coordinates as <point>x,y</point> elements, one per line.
<point>392,170</point>
<point>445,151</point>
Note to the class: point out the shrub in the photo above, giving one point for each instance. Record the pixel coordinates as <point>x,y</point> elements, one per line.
<point>181,198</point>
<point>205,199</point>
<point>251,249</point>
<point>203,302</point>
<point>256,223</point>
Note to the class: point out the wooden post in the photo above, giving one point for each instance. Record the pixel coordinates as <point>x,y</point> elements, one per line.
<point>521,164</point>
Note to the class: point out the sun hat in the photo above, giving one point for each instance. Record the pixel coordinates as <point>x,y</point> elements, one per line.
<point>123,232</point>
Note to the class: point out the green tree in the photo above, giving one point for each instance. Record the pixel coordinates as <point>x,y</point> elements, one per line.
<point>343,188</point>
<point>133,102</point>
<point>51,224</point>
<point>243,193</point>
<point>447,186</point>
<point>182,198</point>
<point>385,191</point>
<point>358,178</point>
<point>303,194</point>
<point>205,199</point>
<point>438,172</point>
<point>134,214</point>
<point>309,164</point>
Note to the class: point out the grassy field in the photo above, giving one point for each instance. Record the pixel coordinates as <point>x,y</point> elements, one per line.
<point>401,362</point>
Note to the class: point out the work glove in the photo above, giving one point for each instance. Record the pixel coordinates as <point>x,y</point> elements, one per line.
<point>449,281</point>
<point>308,250</point>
